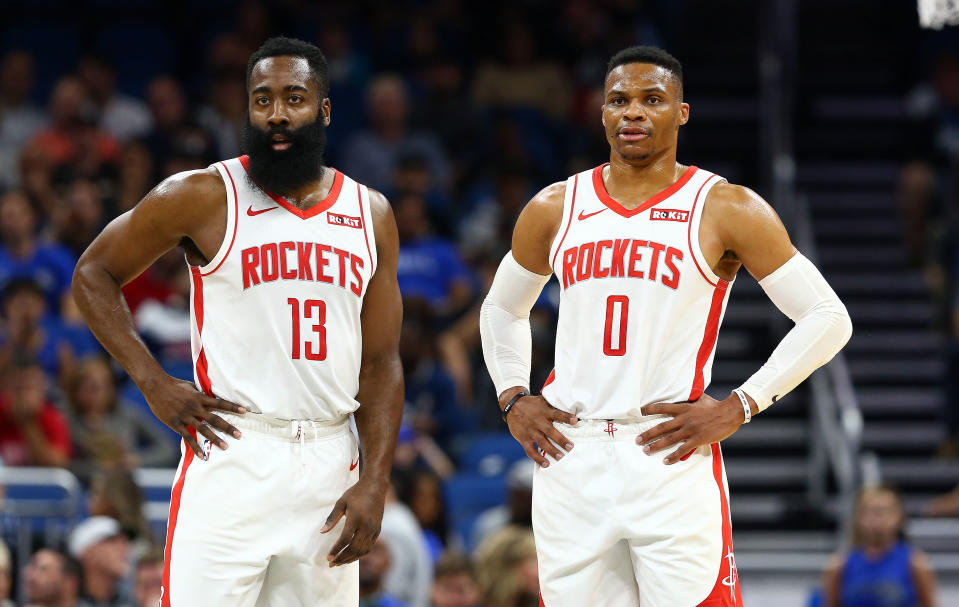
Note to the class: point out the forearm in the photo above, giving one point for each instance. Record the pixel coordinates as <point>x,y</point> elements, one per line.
<point>822,328</point>
<point>380,413</point>
<point>100,300</point>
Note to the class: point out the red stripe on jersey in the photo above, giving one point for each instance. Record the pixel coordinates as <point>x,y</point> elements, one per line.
<point>201,365</point>
<point>610,202</point>
<point>541,604</point>
<point>550,379</point>
<point>572,204</point>
<point>235,221</point>
<point>171,520</point>
<point>359,199</point>
<point>313,211</point>
<point>726,592</point>
<point>709,339</point>
<point>689,229</point>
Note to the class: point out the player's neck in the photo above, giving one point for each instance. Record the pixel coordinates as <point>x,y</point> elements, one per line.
<point>311,192</point>
<point>636,181</point>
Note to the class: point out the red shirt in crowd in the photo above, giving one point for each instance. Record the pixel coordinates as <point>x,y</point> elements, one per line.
<point>13,444</point>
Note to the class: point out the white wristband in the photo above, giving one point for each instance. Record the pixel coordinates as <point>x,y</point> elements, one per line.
<point>747,411</point>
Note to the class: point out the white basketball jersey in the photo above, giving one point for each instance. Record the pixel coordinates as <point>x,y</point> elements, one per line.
<point>276,313</point>
<point>639,308</point>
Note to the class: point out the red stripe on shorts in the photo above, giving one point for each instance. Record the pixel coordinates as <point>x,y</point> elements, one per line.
<point>726,592</point>
<point>171,521</point>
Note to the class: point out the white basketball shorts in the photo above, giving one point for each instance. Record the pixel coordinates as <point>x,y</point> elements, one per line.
<point>619,528</point>
<point>244,526</point>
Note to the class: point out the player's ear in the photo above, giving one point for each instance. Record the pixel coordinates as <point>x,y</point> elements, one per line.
<point>602,114</point>
<point>683,113</point>
<point>326,108</point>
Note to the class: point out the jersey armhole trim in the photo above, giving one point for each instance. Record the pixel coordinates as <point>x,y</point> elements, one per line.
<point>694,221</point>
<point>570,198</point>
<point>360,190</point>
<point>231,221</point>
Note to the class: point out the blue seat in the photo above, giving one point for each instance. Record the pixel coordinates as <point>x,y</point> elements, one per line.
<point>491,454</point>
<point>467,496</point>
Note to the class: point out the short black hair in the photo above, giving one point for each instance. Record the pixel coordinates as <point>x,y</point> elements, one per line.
<point>647,54</point>
<point>280,46</point>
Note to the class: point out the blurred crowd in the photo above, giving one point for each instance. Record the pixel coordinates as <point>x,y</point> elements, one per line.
<point>458,125</point>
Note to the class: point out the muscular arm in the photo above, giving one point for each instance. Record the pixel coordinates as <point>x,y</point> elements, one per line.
<point>380,396</point>
<point>186,208</point>
<point>924,577</point>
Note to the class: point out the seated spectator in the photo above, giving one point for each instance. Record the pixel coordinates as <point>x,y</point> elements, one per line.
<point>32,431</point>
<point>6,575</point>
<point>370,156</point>
<point>175,133</point>
<point>73,144</point>
<point>19,118</point>
<point>454,582</point>
<point>115,493</point>
<point>108,431</point>
<point>429,267</point>
<point>148,579</point>
<point>506,569</point>
<point>80,217</point>
<point>373,567</point>
<point>52,579</point>
<point>518,509</point>
<point>409,575</point>
<point>122,116</point>
<point>29,333</point>
<point>23,255</point>
<point>136,176</point>
<point>165,323</point>
<point>881,569</point>
<point>422,491</point>
<point>101,548</point>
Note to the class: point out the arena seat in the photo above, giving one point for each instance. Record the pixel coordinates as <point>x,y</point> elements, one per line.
<point>467,496</point>
<point>491,454</point>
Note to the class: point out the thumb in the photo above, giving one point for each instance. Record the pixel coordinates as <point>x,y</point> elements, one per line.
<point>339,509</point>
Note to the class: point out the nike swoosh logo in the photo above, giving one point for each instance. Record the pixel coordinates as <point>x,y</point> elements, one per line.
<point>588,215</point>
<point>355,464</point>
<point>251,212</point>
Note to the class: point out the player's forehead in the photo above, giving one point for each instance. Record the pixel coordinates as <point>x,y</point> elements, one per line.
<point>634,77</point>
<point>281,72</point>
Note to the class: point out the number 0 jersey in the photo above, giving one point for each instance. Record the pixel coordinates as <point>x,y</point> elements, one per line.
<point>640,308</point>
<point>276,313</point>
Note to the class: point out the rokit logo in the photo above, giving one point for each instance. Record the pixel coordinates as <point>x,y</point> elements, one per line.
<point>344,220</point>
<point>669,215</point>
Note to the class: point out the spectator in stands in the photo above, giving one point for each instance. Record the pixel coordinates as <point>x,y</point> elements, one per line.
<point>108,431</point>
<point>148,579</point>
<point>521,79</point>
<point>881,569</point>
<point>136,175</point>
<point>81,215</point>
<point>6,575</point>
<point>102,549</point>
<point>122,116</point>
<point>506,569</point>
<point>114,493</point>
<point>454,582</point>
<point>23,255</point>
<point>164,322</point>
<point>431,400</point>
<point>488,229</point>
<point>373,567</point>
<point>29,333</point>
<point>52,579</point>
<point>518,508</point>
<point>410,572</point>
<point>175,133</point>
<point>32,431</point>
<point>422,491</point>
<point>225,113</point>
<point>370,155</point>
<point>19,118</point>
<point>73,144</point>
<point>429,267</point>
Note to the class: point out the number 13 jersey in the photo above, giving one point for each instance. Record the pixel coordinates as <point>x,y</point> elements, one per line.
<point>275,315</point>
<point>640,308</point>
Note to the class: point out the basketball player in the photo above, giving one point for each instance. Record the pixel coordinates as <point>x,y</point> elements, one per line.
<point>645,250</point>
<point>296,317</point>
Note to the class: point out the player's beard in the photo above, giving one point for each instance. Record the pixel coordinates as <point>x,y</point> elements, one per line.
<point>284,171</point>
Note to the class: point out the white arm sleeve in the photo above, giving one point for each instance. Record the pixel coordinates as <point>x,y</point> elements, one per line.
<point>822,329</point>
<point>504,323</point>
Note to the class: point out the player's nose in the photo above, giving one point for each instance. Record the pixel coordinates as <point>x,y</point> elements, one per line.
<point>635,110</point>
<point>278,115</point>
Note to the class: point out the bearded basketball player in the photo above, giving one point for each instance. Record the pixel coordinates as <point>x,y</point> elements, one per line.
<point>645,250</point>
<point>296,318</point>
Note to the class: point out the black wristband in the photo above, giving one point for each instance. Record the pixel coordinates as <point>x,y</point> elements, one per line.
<point>512,402</point>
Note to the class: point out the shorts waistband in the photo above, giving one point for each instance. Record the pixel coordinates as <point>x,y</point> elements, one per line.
<point>292,429</point>
<point>610,429</point>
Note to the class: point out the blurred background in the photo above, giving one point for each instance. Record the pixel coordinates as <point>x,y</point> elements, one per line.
<point>844,114</point>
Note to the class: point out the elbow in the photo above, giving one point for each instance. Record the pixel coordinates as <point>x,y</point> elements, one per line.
<point>843,326</point>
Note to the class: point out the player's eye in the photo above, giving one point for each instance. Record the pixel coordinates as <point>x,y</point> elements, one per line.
<point>295,99</point>
<point>617,101</point>
<point>261,101</point>
<point>654,100</point>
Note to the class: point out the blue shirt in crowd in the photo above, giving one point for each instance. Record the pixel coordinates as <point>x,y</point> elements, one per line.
<point>884,582</point>
<point>428,268</point>
<point>50,266</point>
